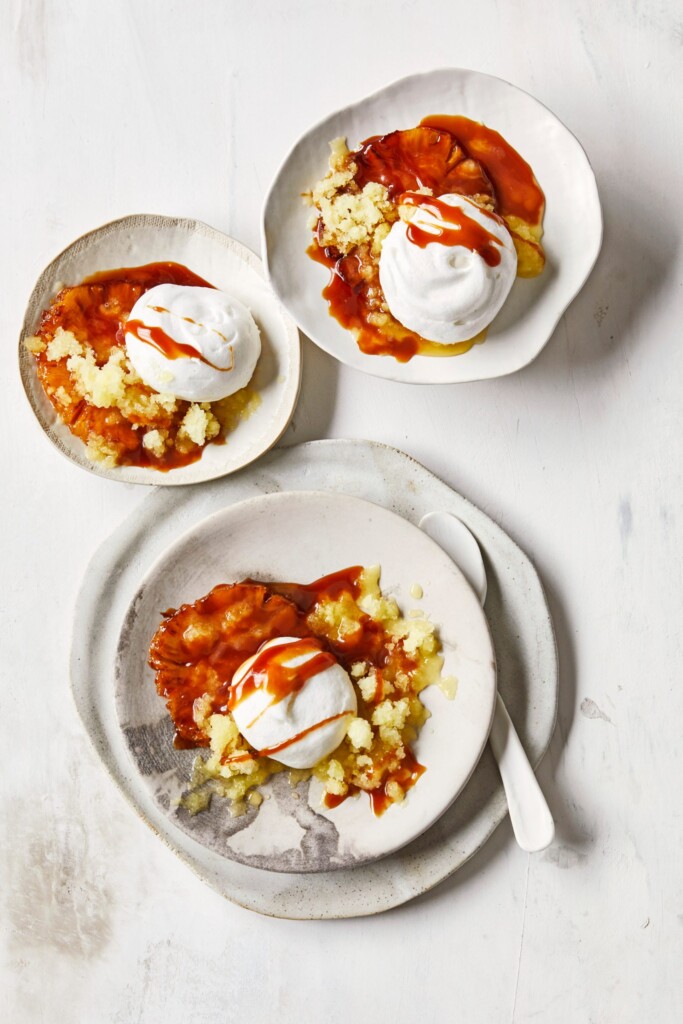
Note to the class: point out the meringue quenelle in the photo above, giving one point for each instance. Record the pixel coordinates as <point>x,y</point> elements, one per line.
<point>292,701</point>
<point>198,344</point>
<point>446,267</point>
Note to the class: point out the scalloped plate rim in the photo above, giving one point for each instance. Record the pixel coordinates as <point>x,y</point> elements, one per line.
<point>388,368</point>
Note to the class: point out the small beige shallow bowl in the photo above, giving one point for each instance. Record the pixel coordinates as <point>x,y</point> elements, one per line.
<point>225,263</point>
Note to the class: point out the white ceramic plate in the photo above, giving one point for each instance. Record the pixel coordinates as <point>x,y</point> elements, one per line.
<point>225,263</point>
<point>302,536</point>
<point>573,221</point>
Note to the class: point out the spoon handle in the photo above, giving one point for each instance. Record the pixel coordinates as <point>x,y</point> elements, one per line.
<point>530,815</point>
<point>532,822</point>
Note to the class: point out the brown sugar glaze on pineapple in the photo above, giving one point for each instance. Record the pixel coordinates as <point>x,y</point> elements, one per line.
<point>447,154</point>
<point>517,192</point>
<point>198,648</point>
<point>95,312</point>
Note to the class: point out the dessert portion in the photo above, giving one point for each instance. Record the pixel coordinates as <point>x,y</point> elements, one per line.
<point>200,343</point>
<point>147,365</point>
<point>424,232</point>
<point>447,292</point>
<point>292,701</point>
<point>321,678</point>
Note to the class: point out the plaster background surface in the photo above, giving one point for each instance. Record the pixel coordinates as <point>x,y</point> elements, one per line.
<point>186,109</point>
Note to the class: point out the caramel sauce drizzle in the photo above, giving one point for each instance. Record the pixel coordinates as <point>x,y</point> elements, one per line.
<point>455,228</point>
<point>169,347</point>
<point>330,588</point>
<point>271,673</point>
<point>187,319</point>
<point>269,751</point>
<point>243,755</point>
<point>517,191</point>
<point>148,275</point>
<point>406,776</point>
<point>345,297</point>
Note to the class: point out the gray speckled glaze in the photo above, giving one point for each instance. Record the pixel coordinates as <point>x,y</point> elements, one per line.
<point>302,535</point>
<point>151,747</point>
<point>522,632</point>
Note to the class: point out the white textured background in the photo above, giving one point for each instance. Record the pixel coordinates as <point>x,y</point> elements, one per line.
<point>180,107</point>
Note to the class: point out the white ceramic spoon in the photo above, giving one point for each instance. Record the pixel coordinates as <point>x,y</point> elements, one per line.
<point>530,815</point>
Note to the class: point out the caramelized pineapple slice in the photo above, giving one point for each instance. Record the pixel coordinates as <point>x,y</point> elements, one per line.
<point>405,161</point>
<point>527,240</point>
<point>198,648</point>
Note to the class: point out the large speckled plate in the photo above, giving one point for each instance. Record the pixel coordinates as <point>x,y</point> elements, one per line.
<point>517,614</point>
<point>302,536</point>
<point>572,223</point>
<point>225,263</point>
